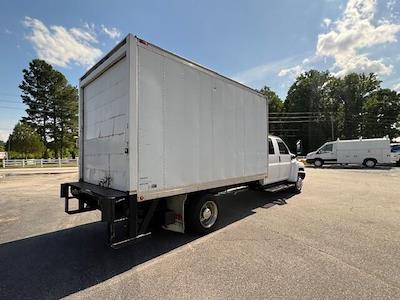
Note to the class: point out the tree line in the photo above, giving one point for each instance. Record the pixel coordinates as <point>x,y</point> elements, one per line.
<point>320,107</point>
<point>50,126</point>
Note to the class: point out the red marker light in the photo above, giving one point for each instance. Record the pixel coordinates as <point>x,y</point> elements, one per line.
<point>143,42</point>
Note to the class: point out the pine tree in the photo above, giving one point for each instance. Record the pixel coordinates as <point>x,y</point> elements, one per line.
<point>52,106</point>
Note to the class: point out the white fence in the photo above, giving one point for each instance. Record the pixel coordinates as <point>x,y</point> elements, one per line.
<point>39,163</point>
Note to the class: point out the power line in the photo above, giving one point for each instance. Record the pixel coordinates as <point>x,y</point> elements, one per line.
<point>295,113</point>
<point>370,121</point>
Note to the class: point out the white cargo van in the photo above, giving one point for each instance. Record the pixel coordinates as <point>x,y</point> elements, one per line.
<point>367,152</point>
<point>161,135</point>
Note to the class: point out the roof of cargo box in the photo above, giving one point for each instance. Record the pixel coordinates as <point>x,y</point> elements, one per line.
<point>124,41</point>
<point>385,138</point>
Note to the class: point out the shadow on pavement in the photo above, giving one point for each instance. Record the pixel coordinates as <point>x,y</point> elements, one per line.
<point>60,263</point>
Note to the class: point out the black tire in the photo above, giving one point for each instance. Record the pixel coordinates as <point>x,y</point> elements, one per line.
<point>398,163</point>
<point>370,163</point>
<point>255,186</point>
<point>318,163</point>
<point>196,213</point>
<point>298,186</point>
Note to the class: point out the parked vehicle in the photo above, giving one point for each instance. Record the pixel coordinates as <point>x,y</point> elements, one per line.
<point>161,135</point>
<point>395,153</point>
<point>367,152</point>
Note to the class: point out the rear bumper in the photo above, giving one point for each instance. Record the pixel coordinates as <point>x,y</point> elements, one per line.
<point>310,160</point>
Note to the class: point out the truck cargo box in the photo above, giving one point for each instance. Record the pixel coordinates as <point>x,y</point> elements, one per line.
<point>155,124</point>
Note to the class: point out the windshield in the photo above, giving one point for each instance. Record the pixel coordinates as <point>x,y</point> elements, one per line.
<point>326,148</point>
<point>395,149</point>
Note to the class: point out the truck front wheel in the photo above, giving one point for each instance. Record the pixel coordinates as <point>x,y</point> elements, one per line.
<point>201,215</point>
<point>298,185</point>
<point>318,163</point>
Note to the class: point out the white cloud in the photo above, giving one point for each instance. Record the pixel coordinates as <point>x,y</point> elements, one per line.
<point>396,87</point>
<point>326,22</point>
<point>81,34</point>
<point>4,134</point>
<point>61,46</point>
<point>7,31</point>
<point>353,32</point>
<point>112,32</point>
<point>293,72</point>
<point>259,73</point>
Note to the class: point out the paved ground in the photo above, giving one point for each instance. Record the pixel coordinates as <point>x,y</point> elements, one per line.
<point>339,239</point>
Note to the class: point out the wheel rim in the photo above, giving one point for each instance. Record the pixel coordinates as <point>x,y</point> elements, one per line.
<point>208,214</point>
<point>299,183</point>
<point>369,163</point>
<point>317,163</point>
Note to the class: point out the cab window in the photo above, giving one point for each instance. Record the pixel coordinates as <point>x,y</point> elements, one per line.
<point>326,148</point>
<point>283,149</point>
<point>270,147</point>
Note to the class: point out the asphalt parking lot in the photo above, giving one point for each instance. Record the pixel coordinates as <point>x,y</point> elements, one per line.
<point>339,239</point>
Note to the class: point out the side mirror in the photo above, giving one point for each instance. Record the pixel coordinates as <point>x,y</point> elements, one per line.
<point>299,147</point>
<point>293,156</point>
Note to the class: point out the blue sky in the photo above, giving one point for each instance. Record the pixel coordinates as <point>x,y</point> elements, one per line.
<point>256,42</point>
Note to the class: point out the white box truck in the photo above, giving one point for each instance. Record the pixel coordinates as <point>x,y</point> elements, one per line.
<point>367,152</point>
<point>160,135</point>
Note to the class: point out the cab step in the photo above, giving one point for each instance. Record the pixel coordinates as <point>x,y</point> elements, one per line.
<point>279,187</point>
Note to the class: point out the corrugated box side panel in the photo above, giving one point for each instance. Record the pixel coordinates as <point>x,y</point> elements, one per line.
<point>196,131</point>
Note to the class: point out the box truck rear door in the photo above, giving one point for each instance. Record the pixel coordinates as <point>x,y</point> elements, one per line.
<point>105,128</point>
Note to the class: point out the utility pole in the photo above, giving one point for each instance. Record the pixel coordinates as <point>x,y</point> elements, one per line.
<point>9,143</point>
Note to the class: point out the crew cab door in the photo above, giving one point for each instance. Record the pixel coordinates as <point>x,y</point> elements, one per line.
<point>273,159</point>
<point>284,160</point>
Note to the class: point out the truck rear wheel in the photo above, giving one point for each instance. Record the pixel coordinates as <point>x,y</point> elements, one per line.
<point>318,163</point>
<point>201,215</point>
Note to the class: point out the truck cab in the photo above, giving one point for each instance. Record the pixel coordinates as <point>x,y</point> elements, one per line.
<point>324,154</point>
<point>283,167</point>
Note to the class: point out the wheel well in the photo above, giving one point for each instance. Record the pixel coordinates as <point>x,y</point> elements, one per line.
<point>370,158</point>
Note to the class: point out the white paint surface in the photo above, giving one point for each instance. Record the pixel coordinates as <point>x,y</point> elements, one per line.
<point>186,127</point>
<point>105,127</point>
<point>194,128</point>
